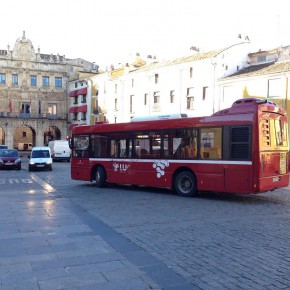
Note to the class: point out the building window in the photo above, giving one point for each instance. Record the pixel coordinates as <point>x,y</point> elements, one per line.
<point>45,81</point>
<point>116,88</point>
<point>189,92</point>
<point>33,81</point>
<point>23,134</point>
<point>116,104</point>
<point>145,99</point>
<point>132,83</point>
<point>172,96</point>
<point>156,98</point>
<point>156,78</point>
<point>75,118</point>
<point>58,82</point>
<point>190,72</point>
<point>204,93</point>
<point>52,108</point>
<point>75,100</point>
<point>76,85</point>
<point>131,103</point>
<point>190,101</point>
<point>14,79</point>
<point>84,98</point>
<point>84,116</point>
<point>24,107</point>
<point>190,98</point>
<point>261,58</point>
<point>2,78</point>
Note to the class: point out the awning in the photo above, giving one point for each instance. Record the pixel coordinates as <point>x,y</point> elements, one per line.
<point>72,126</point>
<point>82,108</point>
<point>73,110</point>
<point>75,93</point>
<point>82,91</point>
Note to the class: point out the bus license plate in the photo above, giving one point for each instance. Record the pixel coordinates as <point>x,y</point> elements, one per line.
<point>276,179</point>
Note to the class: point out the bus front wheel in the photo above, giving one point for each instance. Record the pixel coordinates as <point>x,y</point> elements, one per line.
<point>100,177</point>
<point>185,184</point>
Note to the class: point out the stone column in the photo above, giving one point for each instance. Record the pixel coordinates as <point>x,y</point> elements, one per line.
<point>8,130</point>
<point>39,134</point>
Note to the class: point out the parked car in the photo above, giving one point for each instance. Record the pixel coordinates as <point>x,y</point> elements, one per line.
<point>40,158</point>
<point>9,158</point>
<point>3,147</point>
<point>60,150</point>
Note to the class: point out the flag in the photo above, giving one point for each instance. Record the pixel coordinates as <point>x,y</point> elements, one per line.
<point>20,106</point>
<point>39,107</point>
<point>10,106</point>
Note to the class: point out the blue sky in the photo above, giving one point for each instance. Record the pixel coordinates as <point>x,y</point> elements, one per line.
<point>107,31</point>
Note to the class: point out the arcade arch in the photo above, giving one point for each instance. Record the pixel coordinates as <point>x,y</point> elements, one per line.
<point>38,132</point>
<point>2,136</point>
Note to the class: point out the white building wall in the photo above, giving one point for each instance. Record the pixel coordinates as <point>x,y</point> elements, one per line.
<point>171,77</point>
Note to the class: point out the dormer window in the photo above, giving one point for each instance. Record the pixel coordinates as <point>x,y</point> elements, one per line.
<point>261,58</point>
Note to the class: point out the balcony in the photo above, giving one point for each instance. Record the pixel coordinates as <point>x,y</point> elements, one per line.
<point>33,116</point>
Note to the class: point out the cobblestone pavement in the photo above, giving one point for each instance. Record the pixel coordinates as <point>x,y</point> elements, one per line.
<point>217,241</point>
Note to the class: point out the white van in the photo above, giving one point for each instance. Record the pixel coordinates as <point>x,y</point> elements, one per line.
<point>40,158</point>
<point>60,150</point>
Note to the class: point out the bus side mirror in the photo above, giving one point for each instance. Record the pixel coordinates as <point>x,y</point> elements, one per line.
<point>70,143</point>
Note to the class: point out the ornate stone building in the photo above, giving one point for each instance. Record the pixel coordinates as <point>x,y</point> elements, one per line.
<point>34,94</point>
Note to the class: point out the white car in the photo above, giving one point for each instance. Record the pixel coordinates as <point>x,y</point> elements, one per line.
<point>40,158</point>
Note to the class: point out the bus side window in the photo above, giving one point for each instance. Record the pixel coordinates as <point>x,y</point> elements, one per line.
<point>210,143</point>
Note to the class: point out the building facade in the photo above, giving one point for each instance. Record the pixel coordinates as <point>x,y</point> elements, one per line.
<point>33,94</point>
<point>265,76</point>
<point>187,85</point>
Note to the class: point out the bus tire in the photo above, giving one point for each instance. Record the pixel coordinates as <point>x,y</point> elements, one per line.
<point>100,177</point>
<point>185,184</point>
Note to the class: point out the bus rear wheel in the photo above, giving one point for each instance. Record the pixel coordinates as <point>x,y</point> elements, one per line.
<point>185,184</point>
<point>100,177</point>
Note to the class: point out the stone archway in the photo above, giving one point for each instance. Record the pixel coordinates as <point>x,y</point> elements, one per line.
<point>24,134</point>
<point>2,136</point>
<point>50,134</point>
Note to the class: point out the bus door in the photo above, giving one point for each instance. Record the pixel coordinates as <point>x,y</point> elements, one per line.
<point>120,167</point>
<point>80,168</point>
<point>146,165</point>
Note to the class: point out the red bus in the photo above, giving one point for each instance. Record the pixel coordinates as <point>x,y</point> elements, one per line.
<point>241,150</point>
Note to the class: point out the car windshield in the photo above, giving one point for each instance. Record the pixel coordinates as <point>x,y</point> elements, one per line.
<point>8,153</point>
<point>40,154</point>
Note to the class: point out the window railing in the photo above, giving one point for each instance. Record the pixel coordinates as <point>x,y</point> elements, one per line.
<point>34,116</point>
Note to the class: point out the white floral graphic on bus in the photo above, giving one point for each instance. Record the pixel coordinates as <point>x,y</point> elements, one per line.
<point>160,165</point>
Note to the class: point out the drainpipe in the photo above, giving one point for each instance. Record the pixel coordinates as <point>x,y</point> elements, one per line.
<point>214,64</point>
